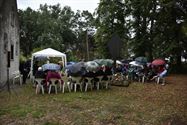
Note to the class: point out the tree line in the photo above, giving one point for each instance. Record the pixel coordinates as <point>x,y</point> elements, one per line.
<point>151,28</point>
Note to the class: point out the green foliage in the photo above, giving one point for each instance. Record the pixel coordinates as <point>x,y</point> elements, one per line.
<point>22,58</point>
<point>110,19</point>
<point>37,113</point>
<point>148,28</point>
<point>54,27</point>
<point>16,111</point>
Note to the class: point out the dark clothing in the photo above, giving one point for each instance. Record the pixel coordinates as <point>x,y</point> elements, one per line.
<point>24,70</point>
<point>35,68</point>
<point>89,74</point>
<point>40,74</point>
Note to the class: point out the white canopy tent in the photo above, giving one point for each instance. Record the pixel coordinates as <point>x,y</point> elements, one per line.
<point>49,52</point>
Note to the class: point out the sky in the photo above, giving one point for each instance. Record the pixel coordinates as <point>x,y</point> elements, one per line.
<point>75,5</point>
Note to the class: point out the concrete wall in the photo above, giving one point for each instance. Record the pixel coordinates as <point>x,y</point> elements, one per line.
<point>9,38</point>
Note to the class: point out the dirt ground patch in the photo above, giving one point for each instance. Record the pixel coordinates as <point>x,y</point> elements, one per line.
<point>138,104</point>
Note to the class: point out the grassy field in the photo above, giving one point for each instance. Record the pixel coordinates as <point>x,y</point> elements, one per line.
<point>138,104</point>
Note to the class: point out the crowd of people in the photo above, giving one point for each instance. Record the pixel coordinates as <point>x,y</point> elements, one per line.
<point>146,71</point>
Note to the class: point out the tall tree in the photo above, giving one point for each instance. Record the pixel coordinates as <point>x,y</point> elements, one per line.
<point>110,18</point>
<point>143,22</point>
<point>28,32</point>
<point>170,36</point>
<point>53,26</point>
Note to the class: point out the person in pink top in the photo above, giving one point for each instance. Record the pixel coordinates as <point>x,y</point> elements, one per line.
<point>53,74</point>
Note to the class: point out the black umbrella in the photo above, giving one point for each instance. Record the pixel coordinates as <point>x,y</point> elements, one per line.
<point>142,60</point>
<point>105,62</point>
<point>77,69</point>
<point>92,66</point>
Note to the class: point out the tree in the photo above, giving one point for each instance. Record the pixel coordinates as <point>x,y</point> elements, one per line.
<point>28,32</point>
<point>110,18</point>
<point>143,26</point>
<point>55,27</point>
<point>170,37</point>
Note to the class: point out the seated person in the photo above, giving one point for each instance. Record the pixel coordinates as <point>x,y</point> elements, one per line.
<point>161,73</point>
<point>124,69</point>
<point>61,64</point>
<point>53,74</point>
<point>40,74</point>
<point>118,68</point>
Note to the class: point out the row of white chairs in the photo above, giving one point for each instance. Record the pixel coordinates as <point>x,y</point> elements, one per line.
<point>69,82</point>
<point>158,79</point>
<point>143,79</point>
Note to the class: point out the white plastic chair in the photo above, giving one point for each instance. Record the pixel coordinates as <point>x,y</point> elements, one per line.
<point>76,81</point>
<point>17,75</point>
<point>89,82</point>
<point>99,82</point>
<point>53,84</point>
<point>142,79</point>
<point>110,79</point>
<point>162,77</point>
<point>159,79</point>
<point>66,83</point>
<point>39,85</point>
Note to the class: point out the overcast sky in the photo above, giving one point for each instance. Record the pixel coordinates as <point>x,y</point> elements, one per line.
<point>75,5</point>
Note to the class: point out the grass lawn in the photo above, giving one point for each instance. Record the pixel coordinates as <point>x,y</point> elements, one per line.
<point>138,104</point>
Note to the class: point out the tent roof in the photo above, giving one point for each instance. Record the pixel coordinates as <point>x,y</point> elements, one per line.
<point>49,52</point>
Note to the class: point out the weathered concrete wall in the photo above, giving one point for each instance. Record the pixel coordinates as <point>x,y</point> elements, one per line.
<point>9,38</point>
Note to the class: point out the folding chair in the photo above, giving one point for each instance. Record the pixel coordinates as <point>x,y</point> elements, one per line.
<point>17,75</point>
<point>53,84</point>
<point>66,83</point>
<point>39,85</point>
<point>89,82</point>
<point>76,81</point>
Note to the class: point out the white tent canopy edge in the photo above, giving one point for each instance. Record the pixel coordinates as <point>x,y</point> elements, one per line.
<point>49,52</point>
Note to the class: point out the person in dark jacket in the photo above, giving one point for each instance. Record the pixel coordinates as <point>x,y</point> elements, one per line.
<point>24,70</point>
<point>35,68</point>
<point>41,74</point>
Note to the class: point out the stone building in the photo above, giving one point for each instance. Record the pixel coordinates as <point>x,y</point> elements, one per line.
<point>9,39</point>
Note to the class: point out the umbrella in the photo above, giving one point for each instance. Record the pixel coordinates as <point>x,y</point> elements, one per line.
<point>51,66</point>
<point>70,63</point>
<point>92,66</point>
<point>119,62</point>
<point>135,63</point>
<point>106,62</point>
<point>126,61</point>
<point>142,60</point>
<point>76,69</point>
<point>158,62</point>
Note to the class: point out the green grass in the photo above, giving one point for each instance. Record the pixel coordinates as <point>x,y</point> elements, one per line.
<point>137,104</point>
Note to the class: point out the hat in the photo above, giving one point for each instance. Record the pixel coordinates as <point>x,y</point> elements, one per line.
<point>60,63</point>
<point>39,68</point>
